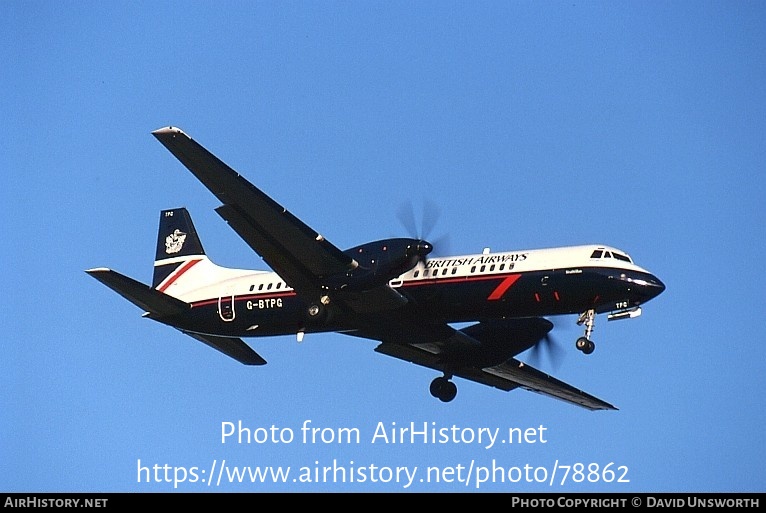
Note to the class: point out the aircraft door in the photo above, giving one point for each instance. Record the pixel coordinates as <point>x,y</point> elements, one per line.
<point>226,305</point>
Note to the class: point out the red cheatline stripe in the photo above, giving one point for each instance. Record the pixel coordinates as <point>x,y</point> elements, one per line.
<point>504,286</point>
<point>188,265</point>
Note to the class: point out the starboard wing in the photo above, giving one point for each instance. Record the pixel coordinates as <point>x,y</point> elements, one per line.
<point>299,254</point>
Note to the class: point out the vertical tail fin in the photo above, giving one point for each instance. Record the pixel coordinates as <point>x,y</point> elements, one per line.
<point>178,247</point>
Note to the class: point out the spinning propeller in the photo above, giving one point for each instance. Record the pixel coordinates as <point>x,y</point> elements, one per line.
<point>554,353</point>
<point>548,348</point>
<point>422,231</point>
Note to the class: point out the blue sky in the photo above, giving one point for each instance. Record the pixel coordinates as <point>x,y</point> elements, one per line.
<point>530,124</point>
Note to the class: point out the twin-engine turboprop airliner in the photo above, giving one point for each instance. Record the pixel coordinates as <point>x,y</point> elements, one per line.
<point>388,291</point>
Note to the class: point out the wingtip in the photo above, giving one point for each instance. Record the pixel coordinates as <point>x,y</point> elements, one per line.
<point>168,130</point>
<point>97,270</point>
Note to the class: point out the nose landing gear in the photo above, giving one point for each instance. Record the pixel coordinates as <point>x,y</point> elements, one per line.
<point>584,343</point>
<point>443,389</point>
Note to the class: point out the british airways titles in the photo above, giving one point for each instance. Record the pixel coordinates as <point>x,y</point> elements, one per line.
<point>511,258</point>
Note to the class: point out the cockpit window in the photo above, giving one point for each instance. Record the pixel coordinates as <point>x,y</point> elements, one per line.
<point>601,253</point>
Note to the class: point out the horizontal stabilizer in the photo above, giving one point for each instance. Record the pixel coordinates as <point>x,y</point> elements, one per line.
<point>160,305</point>
<point>234,347</point>
<point>157,303</point>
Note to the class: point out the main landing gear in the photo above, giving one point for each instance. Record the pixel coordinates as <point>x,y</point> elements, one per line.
<point>318,312</point>
<point>584,343</point>
<point>443,389</point>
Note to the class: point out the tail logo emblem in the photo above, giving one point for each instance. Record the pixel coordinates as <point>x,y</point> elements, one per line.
<point>174,242</point>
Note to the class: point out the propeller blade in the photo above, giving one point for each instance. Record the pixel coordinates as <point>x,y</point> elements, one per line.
<point>441,245</point>
<point>431,214</point>
<point>424,229</point>
<point>429,219</point>
<point>549,349</point>
<point>406,215</point>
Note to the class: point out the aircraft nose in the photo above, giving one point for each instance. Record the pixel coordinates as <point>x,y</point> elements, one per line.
<point>653,285</point>
<point>645,284</point>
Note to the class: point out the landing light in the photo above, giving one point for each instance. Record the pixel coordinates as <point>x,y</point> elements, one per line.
<point>625,314</point>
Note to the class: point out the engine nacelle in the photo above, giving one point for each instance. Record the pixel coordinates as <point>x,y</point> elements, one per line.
<point>379,262</point>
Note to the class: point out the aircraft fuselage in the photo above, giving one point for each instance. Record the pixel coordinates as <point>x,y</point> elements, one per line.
<point>544,282</point>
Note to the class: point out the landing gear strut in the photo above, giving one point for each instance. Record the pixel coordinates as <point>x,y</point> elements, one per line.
<point>443,389</point>
<point>584,343</point>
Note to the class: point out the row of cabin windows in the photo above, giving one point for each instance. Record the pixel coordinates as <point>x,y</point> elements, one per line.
<point>269,286</point>
<point>278,286</point>
<point>454,270</point>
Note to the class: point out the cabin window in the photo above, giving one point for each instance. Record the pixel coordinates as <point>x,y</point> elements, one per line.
<point>279,285</point>
<point>269,286</point>
<point>454,270</point>
<point>417,273</point>
<point>502,266</point>
<point>252,287</point>
<point>491,267</point>
<point>444,271</point>
<point>481,269</point>
<point>260,287</point>
<point>473,269</point>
